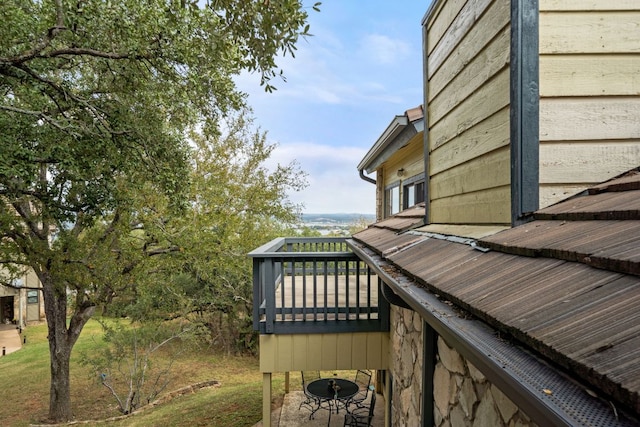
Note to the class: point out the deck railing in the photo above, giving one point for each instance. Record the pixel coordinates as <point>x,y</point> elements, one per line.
<point>314,285</point>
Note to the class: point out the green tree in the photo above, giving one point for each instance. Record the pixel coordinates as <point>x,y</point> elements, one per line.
<point>96,98</point>
<point>236,203</point>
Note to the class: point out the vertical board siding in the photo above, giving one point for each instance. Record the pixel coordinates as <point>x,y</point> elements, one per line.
<point>590,93</point>
<point>286,353</point>
<point>468,94</point>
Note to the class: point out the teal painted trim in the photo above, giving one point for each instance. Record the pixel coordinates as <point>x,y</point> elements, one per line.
<point>525,114</point>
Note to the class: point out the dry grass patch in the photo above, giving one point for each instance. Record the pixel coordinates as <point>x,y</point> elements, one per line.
<point>237,402</point>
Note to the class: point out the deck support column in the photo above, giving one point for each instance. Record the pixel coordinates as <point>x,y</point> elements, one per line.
<point>266,399</point>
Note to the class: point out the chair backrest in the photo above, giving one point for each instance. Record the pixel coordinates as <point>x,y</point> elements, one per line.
<point>363,379</point>
<point>308,376</point>
<point>372,404</point>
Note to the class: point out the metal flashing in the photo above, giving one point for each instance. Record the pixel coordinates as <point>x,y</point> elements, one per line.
<point>524,111</point>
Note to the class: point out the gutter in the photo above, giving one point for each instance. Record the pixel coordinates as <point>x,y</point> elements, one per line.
<point>538,389</point>
<point>366,178</point>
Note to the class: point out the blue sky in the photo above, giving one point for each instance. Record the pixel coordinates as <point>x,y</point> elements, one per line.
<point>361,68</point>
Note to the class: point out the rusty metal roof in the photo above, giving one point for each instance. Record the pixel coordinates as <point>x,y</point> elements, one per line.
<point>566,285</point>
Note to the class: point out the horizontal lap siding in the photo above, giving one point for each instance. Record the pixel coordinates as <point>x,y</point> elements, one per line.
<point>409,158</point>
<point>589,89</point>
<point>468,111</point>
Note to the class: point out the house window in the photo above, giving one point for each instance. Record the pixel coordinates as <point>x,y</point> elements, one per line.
<point>32,297</point>
<point>413,192</point>
<point>392,195</point>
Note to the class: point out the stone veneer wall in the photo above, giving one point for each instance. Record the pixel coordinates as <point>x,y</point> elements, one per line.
<point>406,367</point>
<point>463,396</point>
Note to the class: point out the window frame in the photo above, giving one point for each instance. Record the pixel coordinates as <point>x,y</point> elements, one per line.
<point>389,199</point>
<point>416,183</point>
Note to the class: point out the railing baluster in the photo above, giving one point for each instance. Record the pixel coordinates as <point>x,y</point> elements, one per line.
<point>357,290</point>
<point>346,291</point>
<point>315,290</point>
<point>368,292</point>
<point>294,261</point>
<point>326,287</point>
<point>283,289</point>
<point>270,295</point>
<point>304,291</point>
<point>336,307</point>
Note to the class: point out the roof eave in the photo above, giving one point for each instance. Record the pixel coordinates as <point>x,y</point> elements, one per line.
<point>397,125</point>
<point>479,343</point>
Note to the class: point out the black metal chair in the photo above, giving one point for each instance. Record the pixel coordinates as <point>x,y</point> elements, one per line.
<point>361,417</point>
<point>363,379</point>
<point>311,402</point>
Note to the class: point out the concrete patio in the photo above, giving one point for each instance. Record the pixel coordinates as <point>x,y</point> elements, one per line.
<point>290,416</point>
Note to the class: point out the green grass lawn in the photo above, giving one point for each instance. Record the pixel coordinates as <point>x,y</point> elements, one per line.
<point>24,376</point>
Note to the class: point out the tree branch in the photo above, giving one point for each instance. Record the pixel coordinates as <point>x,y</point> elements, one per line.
<point>45,41</point>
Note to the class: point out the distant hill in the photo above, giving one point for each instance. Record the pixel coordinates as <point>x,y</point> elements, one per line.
<point>339,218</point>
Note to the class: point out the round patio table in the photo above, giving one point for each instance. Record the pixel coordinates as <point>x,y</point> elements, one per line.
<point>323,390</point>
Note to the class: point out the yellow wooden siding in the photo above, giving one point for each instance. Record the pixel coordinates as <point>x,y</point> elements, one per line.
<point>589,75</point>
<point>589,119</point>
<point>468,112</point>
<point>489,99</point>
<point>494,24</point>
<point>285,353</point>
<point>410,158</point>
<point>586,162</point>
<point>585,5</point>
<point>486,172</point>
<point>487,136</point>
<point>590,94</point>
<point>460,26</point>
<point>492,206</point>
<point>483,67</point>
<point>550,194</point>
<point>439,21</point>
<point>589,32</point>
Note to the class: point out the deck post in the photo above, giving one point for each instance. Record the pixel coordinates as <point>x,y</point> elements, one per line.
<point>266,399</point>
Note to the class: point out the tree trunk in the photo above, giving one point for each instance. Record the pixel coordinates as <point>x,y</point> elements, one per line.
<point>55,308</point>
<point>61,341</point>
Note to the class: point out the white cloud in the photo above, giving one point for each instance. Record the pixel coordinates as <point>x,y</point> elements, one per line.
<point>334,183</point>
<point>345,84</point>
<point>384,50</point>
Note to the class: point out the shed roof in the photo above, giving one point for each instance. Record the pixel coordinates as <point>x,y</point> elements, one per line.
<point>566,285</point>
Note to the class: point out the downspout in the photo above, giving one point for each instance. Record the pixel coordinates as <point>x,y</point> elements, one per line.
<point>393,298</point>
<point>366,178</point>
